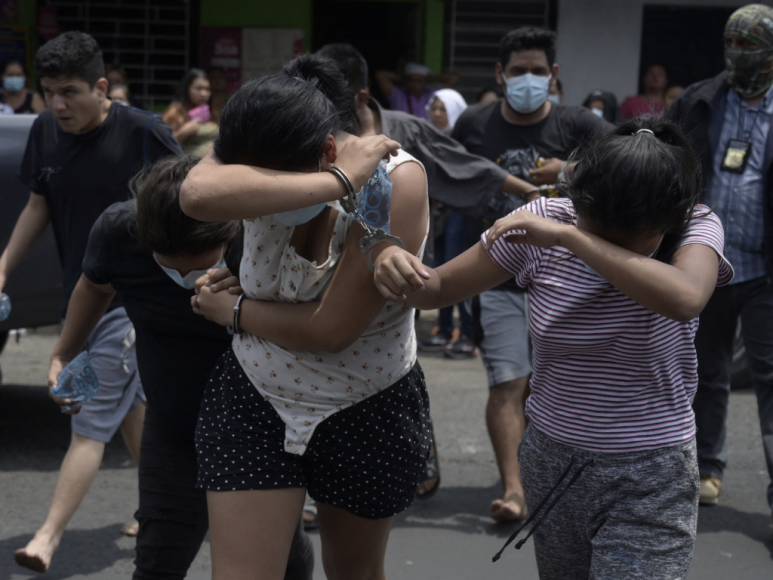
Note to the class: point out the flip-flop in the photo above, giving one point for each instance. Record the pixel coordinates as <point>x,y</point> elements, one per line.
<point>431,471</point>
<point>314,523</point>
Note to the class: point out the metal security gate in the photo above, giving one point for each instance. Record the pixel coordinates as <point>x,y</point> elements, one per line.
<point>149,38</point>
<point>475,29</point>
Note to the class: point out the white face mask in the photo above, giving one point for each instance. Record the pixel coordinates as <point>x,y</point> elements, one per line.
<point>189,280</point>
<point>597,112</point>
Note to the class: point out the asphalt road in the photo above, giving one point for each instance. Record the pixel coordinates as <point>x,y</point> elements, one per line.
<point>448,537</point>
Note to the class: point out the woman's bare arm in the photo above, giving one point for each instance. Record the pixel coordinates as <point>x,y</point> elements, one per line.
<point>679,290</point>
<point>213,191</point>
<point>351,302</point>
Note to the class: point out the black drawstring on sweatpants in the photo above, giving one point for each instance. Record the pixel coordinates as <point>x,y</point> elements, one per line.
<point>575,477</point>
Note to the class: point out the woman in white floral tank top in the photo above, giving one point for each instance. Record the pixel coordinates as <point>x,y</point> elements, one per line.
<point>321,389</point>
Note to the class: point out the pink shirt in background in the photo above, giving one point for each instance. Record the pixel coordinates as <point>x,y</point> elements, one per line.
<point>637,106</point>
<point>399,100</point>
<point>609,374</point>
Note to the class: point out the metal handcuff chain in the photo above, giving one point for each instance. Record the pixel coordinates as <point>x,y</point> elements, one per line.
<point>372,237</point>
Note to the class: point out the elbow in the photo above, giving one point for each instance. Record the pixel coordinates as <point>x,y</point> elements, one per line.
<point>337,341</point>
<point>687,309</point>
<point>191,202</point>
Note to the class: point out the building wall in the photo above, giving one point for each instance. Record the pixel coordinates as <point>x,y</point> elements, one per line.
<point>599,43</point>
<point>298,14</point>
<point>27,16</point>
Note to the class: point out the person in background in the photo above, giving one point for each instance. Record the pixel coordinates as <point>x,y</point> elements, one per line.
<point>218,82</point>
<point>672,93</point>
<point>15,93</point>
<point>119,93</point>
<point>450,241</point>
<point>456,178</point>
<point>117,75</point>
<point>412,92</point>
<point>147,252</point>
<point>555,91</point>
<point>81,153</point>
<point>729,119</point>
<point>603,104</point>
<point>529,136</point>
<point>489,95</point>
<point>190,116</point>
<point>651,102</point>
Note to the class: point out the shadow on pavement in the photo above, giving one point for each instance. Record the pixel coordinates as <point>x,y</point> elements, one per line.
<point>34,434</point>
<point>82,552</point>
<point>722,518</point>
<point>459,509</point>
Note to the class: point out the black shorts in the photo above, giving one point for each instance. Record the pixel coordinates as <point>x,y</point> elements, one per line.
<point>366,459</point>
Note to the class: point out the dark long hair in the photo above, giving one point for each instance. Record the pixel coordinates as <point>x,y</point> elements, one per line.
<point>281,121</point>
<point>183,88</point>
<point>638,182</point>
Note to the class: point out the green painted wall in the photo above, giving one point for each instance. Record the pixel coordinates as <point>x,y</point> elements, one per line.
<point>28,16</point>
<point>298,14</point>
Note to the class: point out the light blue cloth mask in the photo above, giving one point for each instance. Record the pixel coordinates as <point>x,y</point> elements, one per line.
<point>14,84</point>
<point>76,382</point>
<point>189,280</point>
<point>296,217</point>
<point>527,92</point>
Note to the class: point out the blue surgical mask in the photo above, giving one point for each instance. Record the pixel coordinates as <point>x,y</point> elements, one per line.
<point>527,92</point>
<point>14,84</point>
<point>597,112</point>
<point>555,99</point>
<point>296,217</point>
<point>189,280</point>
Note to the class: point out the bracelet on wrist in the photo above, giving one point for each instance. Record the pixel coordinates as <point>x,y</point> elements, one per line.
<point>237,311</point>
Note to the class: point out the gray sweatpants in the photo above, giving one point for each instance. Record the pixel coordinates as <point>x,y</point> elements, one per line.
<point>629,515</point>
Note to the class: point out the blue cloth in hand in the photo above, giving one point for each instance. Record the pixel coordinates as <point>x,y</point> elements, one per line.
<point>77,382</point>
<point>375,199</point>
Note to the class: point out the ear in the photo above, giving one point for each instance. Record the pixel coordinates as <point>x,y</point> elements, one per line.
<point>361,99</point>
<point>555,70</point>
<point>101,87</point>
<point>330,150</point>
<point>499,74</point>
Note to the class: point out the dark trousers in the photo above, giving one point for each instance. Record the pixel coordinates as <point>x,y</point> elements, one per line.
<point>753,302</point>
<point>173,513</point>
<point>452,244</point>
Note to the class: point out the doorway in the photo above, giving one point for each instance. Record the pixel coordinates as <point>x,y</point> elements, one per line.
<point>687,41</point>
<point>386,33</point>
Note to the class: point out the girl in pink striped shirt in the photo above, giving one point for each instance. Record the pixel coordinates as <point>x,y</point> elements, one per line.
<point>617,273</point>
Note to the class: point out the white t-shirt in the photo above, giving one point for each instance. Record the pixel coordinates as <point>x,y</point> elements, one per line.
<point>306,388</point>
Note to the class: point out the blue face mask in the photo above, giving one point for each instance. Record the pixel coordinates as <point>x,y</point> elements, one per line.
<point>14,84</point>
<point>375,199</point>
<point>526,93</point>
<point>296,217</point>
<point>189,280</point>
<point>597,112</point>
<point>555,99</point>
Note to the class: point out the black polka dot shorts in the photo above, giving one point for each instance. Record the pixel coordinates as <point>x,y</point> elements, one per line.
<point>366,459</point>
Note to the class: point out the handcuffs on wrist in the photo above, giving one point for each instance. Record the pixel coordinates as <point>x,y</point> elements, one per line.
<point>372,237</point>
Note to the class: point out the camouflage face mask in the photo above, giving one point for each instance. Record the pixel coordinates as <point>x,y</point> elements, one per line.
<point>750,72</point>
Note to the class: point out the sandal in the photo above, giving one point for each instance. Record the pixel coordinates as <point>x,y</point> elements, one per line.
<point>431,471</point>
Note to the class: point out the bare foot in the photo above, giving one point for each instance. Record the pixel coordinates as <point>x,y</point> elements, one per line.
<point>428,486</point>
<point>131,528</point>
<point>37,554</point>
<point>511,509</point>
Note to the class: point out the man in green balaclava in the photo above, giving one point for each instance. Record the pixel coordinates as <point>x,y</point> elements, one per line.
<point>729,119</point>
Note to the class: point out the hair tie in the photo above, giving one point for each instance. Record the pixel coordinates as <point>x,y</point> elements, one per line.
<point>645,131</point>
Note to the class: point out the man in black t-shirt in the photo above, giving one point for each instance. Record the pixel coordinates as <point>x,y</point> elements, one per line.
<point>80,156</point>
<point>149,254</point>
<point>528,136</point>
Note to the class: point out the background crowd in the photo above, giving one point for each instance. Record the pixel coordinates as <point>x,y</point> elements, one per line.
<point>482,161</point>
